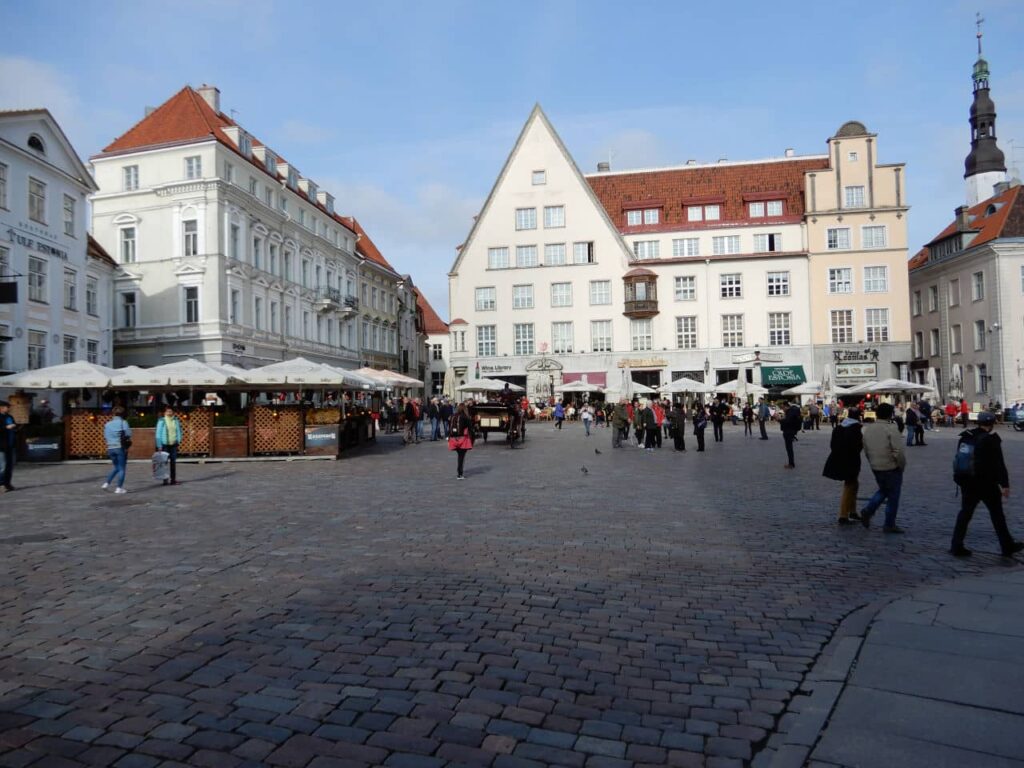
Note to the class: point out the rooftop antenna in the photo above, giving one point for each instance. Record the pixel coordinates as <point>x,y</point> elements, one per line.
<point>978,21</point>
<point>234,114</point>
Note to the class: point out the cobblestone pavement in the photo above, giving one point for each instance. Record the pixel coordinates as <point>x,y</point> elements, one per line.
<point>656,609</point>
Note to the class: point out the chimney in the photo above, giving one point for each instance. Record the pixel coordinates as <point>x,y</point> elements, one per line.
<point>211,94</point>
<point>691,161</point>
<point>150,111</point>
<point>604,167</point>
<point>962,223</point>
<point>790,152</point>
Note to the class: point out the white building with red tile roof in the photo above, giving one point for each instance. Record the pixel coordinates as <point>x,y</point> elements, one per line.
<point>696,271</point>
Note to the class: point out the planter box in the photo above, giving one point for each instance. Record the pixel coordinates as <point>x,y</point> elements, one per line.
<point>231,442</point>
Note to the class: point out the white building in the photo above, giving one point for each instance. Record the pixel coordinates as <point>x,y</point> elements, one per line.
<point>227,252</point>
<point>695,270</point>
<point>62,310</point>
<point>436,350</point>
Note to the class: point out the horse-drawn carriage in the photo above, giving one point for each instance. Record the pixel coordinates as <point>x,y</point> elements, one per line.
<point>510,420</point>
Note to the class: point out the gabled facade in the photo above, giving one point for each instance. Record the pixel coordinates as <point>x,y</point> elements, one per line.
<point>380,305</point>
<point>62,281</point>
<point>698,270</point>
<point>436,351</point>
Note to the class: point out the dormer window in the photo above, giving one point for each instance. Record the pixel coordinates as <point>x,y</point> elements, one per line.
<point>36,143</point>
<point>245,144</point>
<point>270,163</point>
<point>761,208</point>
<point>293,179</point>
<point>642,216</point>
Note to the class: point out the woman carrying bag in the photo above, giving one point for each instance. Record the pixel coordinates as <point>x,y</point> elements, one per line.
<point>460,435</point>
<point>843,463</point>
<point>168,438</point>
<point>118,437</point>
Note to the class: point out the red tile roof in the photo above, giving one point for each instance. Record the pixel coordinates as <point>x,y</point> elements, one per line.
<point>96,251</point>
<point>458,321</point>
<point>730,186</point>
<point>1006,219</point>
<point>432,323</point>
<point>366,247</point>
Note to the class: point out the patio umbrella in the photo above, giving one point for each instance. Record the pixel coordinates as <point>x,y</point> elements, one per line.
<point>888,387</point>
<point>807,388</point>
<point>956,382</point>
<point>134,377</point>
<point>405,381</point>
<point>489,385</point>
<point>933,382</point>
<point>77,375</point>
<point>685,384</point>
<point>626,389</point>
<point>578,386</point>
<point>299,370</point>
<point>193,373</point>
<point>741,388</point>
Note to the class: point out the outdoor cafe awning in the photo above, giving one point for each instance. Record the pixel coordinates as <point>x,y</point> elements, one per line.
<point>784,376</point>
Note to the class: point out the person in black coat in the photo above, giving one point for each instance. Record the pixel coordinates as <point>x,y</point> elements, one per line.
<point>843,463</point>
<point>791,423</point>
<point>718,414</point>
<point>700,423</point>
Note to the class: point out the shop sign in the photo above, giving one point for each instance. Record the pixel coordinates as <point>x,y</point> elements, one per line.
<point>36,245</point>
<point>488,368</point>
<point>322,439</point>
<point>864,371</point>
<point>855,355</point>
<point>643,362</point>
<point>782,375</point>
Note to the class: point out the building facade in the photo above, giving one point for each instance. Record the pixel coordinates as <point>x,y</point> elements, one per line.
<point>435,351</point>
<point>55,285</point>
<point>227,252</point>
<point>782,267</point>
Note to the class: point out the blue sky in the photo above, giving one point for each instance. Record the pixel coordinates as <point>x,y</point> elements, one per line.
<point>407,110</point>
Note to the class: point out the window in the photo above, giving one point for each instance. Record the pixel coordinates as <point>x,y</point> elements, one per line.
<point>918,345</point>
<point>526,218</point>
<point>129,307</point>
<point>268,196</point>
<point>561,294</point>
<point>954,293</point>
<point>194,167</point>
<point>275,311</point>
<point>257,316</point>
<point>69,349</point>
<point>69,216</point>
<point>70,290</point>
<point>731,285</point>
<point>286,268</point>
<point>497,258</point>
<point>646,249</point>
<point>640,335</point>
<point>634,218</point>
<point>288,321</point>
<point>842,326</point>
<point>233,241</point>
<point>92,293</point>
<point>637,217</point>
<point>554,216</point>
<point>36,279</point>
<point>36,350</point>
<point>652,215</point>
<point>978,286</point>
<point>778,329</point>
<point>778,283</point>
<point>600,335</point>
<point>979,335</point>
<point>486,299</point>
<point>253,186</point>
<point>933,342</point>
<point>36,200</point>
<point>956,340</point>
<point>876,279</point>
<point>3,187</point>
<point>437,352</point>
<point>725,245</point>
<point>5,266</point>
<point>876,325</point>
<point>130,178</point>
<point>686,332</point>
<point>92,351</point>
<point>768,243</point>
<point>694,213</point>
<point>851,157</point>
<point>774,207</point>
<point>191,237</point>
<point>526,255</point>
<point>539,178</point>
<point>769,208</point>
<point>840,280</point>
<point>600,291</point>
<point>712,213</point>
<point>872,237</point>
<point>756,210</point>
<point>981,378</point>
<point>305,278</point>
<point>554,254</point>
<point>915,304</point>
<point>854,197</point>
<point>233,306</point>
<point>583,253</point>
<point>686,288</point>
<point>305,328</point>
<point>522,334</point>
<point>229,172</point>
<point>933,298</point>
<point>686,246</point>
<point>561,338</point>
<point>837,238</point>
<point>191,294</point>
<point>732,330</point>
<point>486,344</point>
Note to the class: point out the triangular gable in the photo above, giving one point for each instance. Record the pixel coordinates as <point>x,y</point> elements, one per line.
<point>535,115</point>
<point>189,269</point>
<point>59,152</point>
<point>123,275</point>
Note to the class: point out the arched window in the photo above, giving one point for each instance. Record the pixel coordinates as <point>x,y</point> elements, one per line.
<point>36,143</point>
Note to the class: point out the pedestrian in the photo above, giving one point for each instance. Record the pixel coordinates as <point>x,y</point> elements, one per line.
<point>764,413</point>
<point>843,463</point>
<point>791,424</point>
<point>677,425</point>
<point>118,436</point>
<point>445,413</point>
<point>168,438</point>
<point>815,412</point>
<point>559,415</point>
<point>666,406</point>
<point>434,414</point>
<point>922,420</point>
<point>965,411</point>
<point>648,426</point>
<point>833,414</point>
<point>620,423</point>
<point>748,420</point>
<point>421,416</point>
<point>980,471</point>
<point>887,458</point>
<point>410,416</point>
<point>718,412</point>
<point>926,415</point>
<point>700,423</point>
<point>460,437</point>
<point>659,420</point>
<point>8,437</point>
<point>912,418</point>
<point>586,416</point>
<point>951,410</point>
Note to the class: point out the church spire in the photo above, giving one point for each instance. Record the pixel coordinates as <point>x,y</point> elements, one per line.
<point>985,166</point>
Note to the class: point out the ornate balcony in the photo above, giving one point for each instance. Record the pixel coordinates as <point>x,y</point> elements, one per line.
<point>332,300</point>
<point>641,286</point>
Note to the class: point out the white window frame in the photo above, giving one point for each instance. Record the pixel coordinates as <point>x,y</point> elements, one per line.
<point>647,249</point>
<point>980,342</point>
<point>69,215</point>
<point>522,339</point>
<point>837,238</point>
<point>526,256</point>
<point>978,286</point>
<point>538,178</point>
<point>686,332</point>
<point>130,178</point>
<point>694,213</point>
<point>933,342</point>
<point>755,209</point>
<point>838,278</point>
<point>92,351</point>
<point>485,298</point>
<point>918,350</point>
<point>730,285</point>
<point>554,255</point>
<point>583,252</point>
<point>486,341</point>
<point>916,305</point>
<point>70,290</point>
<point>36,349</point>
<point>234,306</point>
<point>522,296</point>
<point>194,167</point>
<point>842,333</point>
<point>38,270</point>
<point>257,315</point>
<point>774,208</point>
<point>562,343</point>
<point>92,296</point>
<point>780,329</point>
<point>128,311</point>
<point>933,298</point>
<point>599,340</point>
<point>190,237</point>
<point>876,325</point>
<point>685,246</point>
<point>767,242</point>
<point>128,247</point>
<point>561,294</point>
<point>873,283</point>
<point>732,331</point>
<point>869,238</point>
<point>554,216</point>
<point>956,339</point>
<point>652,216</point>
<point>777,283</point>
<point>685,287</point>
<point>526,218</point>
<point>725,245</point>
<point>37,200</point>
<point>712,212</point>
<point>600,292</point>
<point>497,258</point>
<point>641,334</point>
<point>69,349</point>
<point>634,217</point>
<point>853,196</point>
<point>190,305</point>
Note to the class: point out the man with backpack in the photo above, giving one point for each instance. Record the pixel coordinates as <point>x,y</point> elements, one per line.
<point>887,456</point>
<point>979,470</point>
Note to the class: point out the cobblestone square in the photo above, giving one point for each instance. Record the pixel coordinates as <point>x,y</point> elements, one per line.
<point>654,609</point>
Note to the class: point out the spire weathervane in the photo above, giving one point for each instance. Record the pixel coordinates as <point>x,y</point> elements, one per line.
<point>978,21</point>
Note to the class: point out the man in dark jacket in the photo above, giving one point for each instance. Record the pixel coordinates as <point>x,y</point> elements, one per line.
<point>843,463</point>
<point>445,412</point>
<point>990,484</point>
<point>791,423</point>
<point>764,413</point>
<point>434,414</point>
<point>677,419</point>
<point>718,413</point>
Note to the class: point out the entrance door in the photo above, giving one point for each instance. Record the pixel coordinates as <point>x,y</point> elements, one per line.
<point>648,378</point>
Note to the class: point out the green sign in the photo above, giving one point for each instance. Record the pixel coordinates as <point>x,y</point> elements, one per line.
<point>782,375</point>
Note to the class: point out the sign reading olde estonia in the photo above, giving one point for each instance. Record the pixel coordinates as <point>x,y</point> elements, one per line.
<point>782,375</point>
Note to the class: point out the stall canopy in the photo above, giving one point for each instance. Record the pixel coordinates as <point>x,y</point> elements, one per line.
<point>192,373</point>
<point>740,387</point>
<point>578,386</point>
<point>388,378</point>
<point>889,387</point>
<point>685,384</point>
<point>302,371</point>
<point>78,375</point>
<point>133,377</point>
<point>782,375</point>
<point>489,385</point>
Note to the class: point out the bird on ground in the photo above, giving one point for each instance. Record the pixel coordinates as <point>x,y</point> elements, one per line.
<point>597,452</point>
<point>584,470</point>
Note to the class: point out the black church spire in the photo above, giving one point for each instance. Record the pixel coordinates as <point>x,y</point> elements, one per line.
<point>985,155</point>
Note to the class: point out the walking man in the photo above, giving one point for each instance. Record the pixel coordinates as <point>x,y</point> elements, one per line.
<point>748,420</point>
<point>434,414</point>
<point>764,413</point>
<point>887,457</point>
<point>700,423</point>
<point>7,438</point>
<point>983,479</point>
<point>791,423</point>
<point>620,423</point>
<point>718,411</point>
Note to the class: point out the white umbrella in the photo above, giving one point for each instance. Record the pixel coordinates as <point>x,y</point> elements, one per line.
<point>77,375</point>
<point>578,386</point>
<point>642,389</point>
<point>404,381</point>
<point>134,377</point>
<point>489,385</point>
<point>626,388</point>
<point>956,382</point>
<point>740,388</point>
<point>193,373</point>
<point>888,387</point>
<point>299,370</point>
<point>685,384</point>
<point>933,382</point>
<point>807,388</point>
<point>389,378</point>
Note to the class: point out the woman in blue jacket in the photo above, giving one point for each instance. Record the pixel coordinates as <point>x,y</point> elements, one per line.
<point>115,432</point>
<point>168,438</point>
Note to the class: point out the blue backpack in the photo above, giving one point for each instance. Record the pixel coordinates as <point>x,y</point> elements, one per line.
<point>964,467</point>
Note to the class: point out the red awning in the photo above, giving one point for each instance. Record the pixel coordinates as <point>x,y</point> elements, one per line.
<point>597,378</point>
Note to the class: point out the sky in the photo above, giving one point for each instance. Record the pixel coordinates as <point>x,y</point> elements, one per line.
<point>406,111</point>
